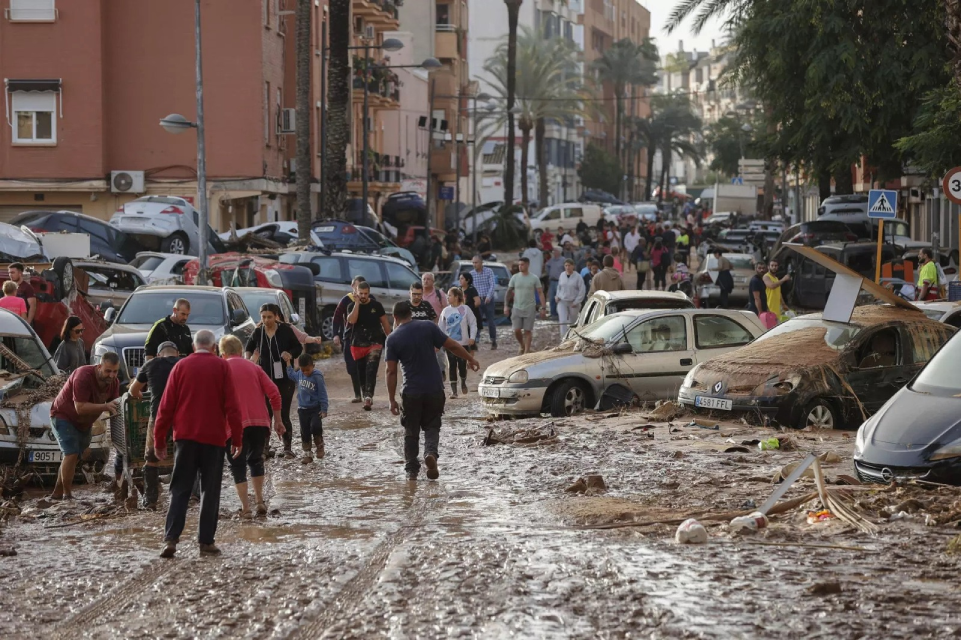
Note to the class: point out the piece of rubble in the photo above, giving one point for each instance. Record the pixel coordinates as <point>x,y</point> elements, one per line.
<point>664,411</point>
<point>825,588</point>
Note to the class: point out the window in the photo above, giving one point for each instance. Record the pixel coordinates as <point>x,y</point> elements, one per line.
<point>32,11</point>
<point>113,279</point>
<point>400,277</point>
<point>234,301</point>
<point>575,213</point>
<point>370,269</point>
<point>882,349</point>
<point>711,332</point>
<point>593,312</point>
<point>147,263</point>
<point>443,14</point>
<point>659,335</point>
<point>34,117</point>
<point>330,270</point>
<point>553,215</point>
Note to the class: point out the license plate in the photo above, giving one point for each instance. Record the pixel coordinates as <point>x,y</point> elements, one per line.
<point>140,222</point>
<point>490,392</point>
<point>44,456</point>
<point>324,230</point>
<point>740,280</point>
<point>705,402</point>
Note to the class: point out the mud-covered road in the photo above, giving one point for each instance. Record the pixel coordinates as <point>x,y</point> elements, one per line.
<point>496,548</point>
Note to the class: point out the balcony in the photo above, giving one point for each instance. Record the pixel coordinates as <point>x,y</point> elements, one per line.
<point>382,84</point>
<point>384,170</point>
<point>383,14</point>
<point>446,43</point>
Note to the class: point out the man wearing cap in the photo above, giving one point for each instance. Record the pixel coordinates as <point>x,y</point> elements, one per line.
<point>153,376</point>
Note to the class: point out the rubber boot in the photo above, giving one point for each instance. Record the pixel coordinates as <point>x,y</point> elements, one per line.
<point>151,486</point>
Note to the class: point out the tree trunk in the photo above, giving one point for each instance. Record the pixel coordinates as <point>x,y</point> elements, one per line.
<point>618,121</point>
<point>304,169</point>
<point>513,10</point>
<point>630,166</point>
<point>539,132</point>
<point>338,110</point>
<point>525,127</point>
<point>824,184</point>
<point>665,171</point>
<point>649,180</point>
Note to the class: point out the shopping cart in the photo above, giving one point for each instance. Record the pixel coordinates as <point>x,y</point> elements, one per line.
<point>128,433</point>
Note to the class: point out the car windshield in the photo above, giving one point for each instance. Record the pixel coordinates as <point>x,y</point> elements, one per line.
<point>940,376</point>
<point>148,307</point>
<point>837,335</point>
<point>254,299</point>
<point>146,263</point>
<point>605,329</point>
<point>30,352</point>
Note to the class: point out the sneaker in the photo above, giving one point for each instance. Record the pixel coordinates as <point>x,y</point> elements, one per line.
<point>289,454</point>
<point>453,395</point>
<point>356,400</point>
<point>463,388</point>
<point>368,403</point>
<point>321,452</point>
<point>261,509</point>
<point>170,548</point>
<point>209,550</point>
<point>430,461</point>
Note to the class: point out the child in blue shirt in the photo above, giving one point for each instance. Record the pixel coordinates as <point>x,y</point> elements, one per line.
<point>312,401</point>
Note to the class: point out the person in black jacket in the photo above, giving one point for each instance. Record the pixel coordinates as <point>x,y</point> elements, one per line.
<point>174,329</point>
<point>271,344</point>
<point>342,335</point>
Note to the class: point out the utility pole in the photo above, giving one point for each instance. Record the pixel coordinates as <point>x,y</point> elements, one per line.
<point>365,163</point>
<point>201,153</point>
<point>323,117</point>
<point>430,152</point>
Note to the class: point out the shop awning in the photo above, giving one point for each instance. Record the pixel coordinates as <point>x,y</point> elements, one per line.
<point>33,84</point>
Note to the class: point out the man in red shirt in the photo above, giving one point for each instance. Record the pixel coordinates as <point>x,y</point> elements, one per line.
<point>200,403</point>
<point>90,390</point>
<point>24,289</point>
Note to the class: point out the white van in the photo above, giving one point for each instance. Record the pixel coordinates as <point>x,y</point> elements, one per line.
<point>566,215</point>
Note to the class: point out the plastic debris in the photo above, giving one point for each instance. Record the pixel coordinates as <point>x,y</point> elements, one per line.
<point>769,445</point>
<point>690,532</point>
<point>749,524</point>
<point>819,516</point>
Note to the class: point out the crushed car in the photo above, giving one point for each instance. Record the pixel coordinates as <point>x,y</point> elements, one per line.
<point>629,356</point>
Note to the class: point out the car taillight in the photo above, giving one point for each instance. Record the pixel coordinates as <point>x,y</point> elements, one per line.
<point>705,278</point>
<point>349,229</point>
<point>173,209</point>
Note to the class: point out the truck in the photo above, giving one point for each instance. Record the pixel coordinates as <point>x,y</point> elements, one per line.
<point>735,198</point>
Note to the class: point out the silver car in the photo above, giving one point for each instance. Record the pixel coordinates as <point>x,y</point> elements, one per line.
<point>109,282</point>
<point>165,223</point>
<point>630,354</point>
<point>161,268</point>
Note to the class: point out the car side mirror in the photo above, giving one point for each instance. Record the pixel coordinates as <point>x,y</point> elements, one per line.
<point>622,348</point>
<point>110,315</point>
<point>313,266</point>
<point>237,316</point>
<point>295,318</point>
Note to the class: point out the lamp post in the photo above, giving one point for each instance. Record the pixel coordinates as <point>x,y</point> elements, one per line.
<point>176,123</point>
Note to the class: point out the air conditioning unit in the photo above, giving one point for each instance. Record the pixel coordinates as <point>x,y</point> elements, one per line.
<point>369,32</point>
<point>126,182</point>
<point>288,121</point>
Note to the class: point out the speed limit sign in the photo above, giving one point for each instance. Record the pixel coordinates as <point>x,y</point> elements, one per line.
<point>952,185</point>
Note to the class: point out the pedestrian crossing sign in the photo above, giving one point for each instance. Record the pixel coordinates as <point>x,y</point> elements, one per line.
<point>882,204</point>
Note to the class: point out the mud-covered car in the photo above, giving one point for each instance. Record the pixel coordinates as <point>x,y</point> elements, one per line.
<point>28,386</point>
<point>812,372</point>
<point>917,433</point>
<point>604,303</point>
<point>641,355</point>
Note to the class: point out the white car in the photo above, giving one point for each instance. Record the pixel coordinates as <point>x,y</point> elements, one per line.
<point>942,311</point>
<point>166,223</point>
<point>161,268</point>
<point>283,232</point>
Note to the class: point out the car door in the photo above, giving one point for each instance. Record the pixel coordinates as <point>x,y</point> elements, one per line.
<point>373,271</point>
<point>715,335</point>
<point>661,356</point>
<point>399,280</point>
<point>873,383</point>
<point>335,279</point>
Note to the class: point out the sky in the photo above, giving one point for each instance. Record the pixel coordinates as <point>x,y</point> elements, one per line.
<point>660,10</point>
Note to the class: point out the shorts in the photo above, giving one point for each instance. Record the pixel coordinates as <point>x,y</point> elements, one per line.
<point>72,440</point>
<point>522,322</point>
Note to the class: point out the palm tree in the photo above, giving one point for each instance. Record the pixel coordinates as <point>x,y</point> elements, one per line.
<point>627,65</point>
<point>513,13</point>
<point>547,88</point>
<point>709,10</point>
<point>304,171</point>
<point>670,129</point>
<point>338,110</point>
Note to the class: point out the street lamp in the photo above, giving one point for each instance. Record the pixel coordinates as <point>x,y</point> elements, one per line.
<point>176,123</point>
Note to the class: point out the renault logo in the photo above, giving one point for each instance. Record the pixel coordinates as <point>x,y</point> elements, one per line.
<point>887,475</point>
<point>718,386</point>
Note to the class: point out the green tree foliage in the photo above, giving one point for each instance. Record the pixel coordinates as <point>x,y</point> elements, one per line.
<point>725,139</point>
<point>933,147</point>
<point>600,170</point>
<point>625,65</point>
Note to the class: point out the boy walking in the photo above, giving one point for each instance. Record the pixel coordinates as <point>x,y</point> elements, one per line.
<point>311,405</point>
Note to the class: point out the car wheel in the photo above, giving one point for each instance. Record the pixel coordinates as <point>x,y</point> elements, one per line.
<point>177,243</point>
<point>327,324</point>
<point>568,399</point>
<point>819,414</point>
<point>63,267</point>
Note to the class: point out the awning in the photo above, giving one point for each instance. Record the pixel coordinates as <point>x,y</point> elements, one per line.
<point>33,85</point>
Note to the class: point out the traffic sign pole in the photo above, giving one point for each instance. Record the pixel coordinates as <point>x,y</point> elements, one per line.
<point>877,268</point>
<point>951,184</point>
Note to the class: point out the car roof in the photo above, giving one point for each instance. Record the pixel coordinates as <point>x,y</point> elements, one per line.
<point>876,314</point>
<point>47,212</point>
<point>349,254</point>
<point>634,294</point>
<point>940,305</point>
<point>258,289</point>
<point>638,313</point>
<point>104,263</point>
<point>13,324</point>
<point>193,288</point>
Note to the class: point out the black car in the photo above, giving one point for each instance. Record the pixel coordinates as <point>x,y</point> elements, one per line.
<point>917,433</point>
<point>109,243</point>
<point>810,234</point>
<point>811,283</point>
<point>406,208</point>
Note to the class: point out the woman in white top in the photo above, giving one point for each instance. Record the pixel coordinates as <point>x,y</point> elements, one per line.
<point>457,321</point>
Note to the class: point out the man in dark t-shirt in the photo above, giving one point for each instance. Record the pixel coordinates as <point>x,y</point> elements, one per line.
<point>153,376</point>
<point>412,344</point>
<point>370,331</point>
<point>757,290</point>
<point>419,309</point>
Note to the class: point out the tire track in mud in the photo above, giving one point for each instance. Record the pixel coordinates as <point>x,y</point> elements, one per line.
<point>108,603</point>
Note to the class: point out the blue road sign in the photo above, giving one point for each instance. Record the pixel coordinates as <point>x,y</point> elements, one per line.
<point>446,193</point>
<point>737,180</point>
<point>882,204</point>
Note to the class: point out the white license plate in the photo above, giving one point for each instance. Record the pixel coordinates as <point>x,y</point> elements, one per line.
<point>140,222</point>
<point>490,392</point>
<point>705,402</point>
<point>44,456</point>
<point>740,280</point>
<point>324,230</point>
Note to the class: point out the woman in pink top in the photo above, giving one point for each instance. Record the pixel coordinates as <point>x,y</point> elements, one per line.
<point>11,301</point>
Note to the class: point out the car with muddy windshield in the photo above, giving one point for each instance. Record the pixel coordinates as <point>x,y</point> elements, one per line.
<point>603,303</point>
<point>638,355</point>
<point>818,373</point>
<point>29,383</point>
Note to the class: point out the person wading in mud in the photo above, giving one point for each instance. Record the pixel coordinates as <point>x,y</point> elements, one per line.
<point>312,405</point>
<point>200,403</point>
<point>153,376</point>
<point>342,333</point>
<point>370,331</point>
<point>412,344</point>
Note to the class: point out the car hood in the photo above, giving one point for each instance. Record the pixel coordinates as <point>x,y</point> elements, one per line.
<point>900,422</point>
<point>126,335</point>
<point>537,363</point>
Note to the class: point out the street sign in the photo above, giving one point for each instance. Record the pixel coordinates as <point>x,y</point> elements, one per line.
<point>882,204</point>
<point>446,193</point>
<point>952,185</point>
<point>737,180</point>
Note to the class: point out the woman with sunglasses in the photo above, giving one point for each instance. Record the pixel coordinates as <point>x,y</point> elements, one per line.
<point>71,353</point>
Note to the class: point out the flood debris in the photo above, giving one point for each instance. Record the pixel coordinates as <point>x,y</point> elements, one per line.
<point>591,484</point>
<point>825,588</point>
<point>664,411</point>
<point>690,532</point>
<point>532,436</point>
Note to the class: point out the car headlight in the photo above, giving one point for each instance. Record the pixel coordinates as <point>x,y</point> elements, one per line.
<point>273,277</point>
<point>952,450</point>
<point>689,378</point>
<point>519,376</point>
<point>859,441</point>
<point>99,351</point>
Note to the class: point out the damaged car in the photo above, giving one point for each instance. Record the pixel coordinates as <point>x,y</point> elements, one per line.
<point>603,303</point>
<point>819,373</point>
<point>917,433</point>
<point>638,355</point>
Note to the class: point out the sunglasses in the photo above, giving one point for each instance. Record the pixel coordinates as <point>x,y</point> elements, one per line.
<point>417,295</point>
<point>77,330</point>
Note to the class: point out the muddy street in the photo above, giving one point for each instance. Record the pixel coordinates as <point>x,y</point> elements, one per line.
<point>496,547</point>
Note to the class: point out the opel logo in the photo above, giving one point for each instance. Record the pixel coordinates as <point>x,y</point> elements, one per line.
<point>887,475</point>
<point>717,386</point>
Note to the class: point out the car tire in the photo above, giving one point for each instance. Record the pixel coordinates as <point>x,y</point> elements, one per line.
<point>820,414</point>
<point>568,398</point>
<point>176,243</point>
<point>63,267</point>
<point>327,323</point>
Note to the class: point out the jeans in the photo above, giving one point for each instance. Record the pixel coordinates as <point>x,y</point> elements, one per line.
<point>722,303</point>
<point>311,426</point>
<point>456,364</point>
<point>567,313</point>
<point>287,389</point>
<point>489,317</point>
<point>190,458</point>
<point>352,370</point>
<point>367,372</point>
<point>660,275</point>
<point>551,294</point>
<point>420,413</point>
<point>255,441</point>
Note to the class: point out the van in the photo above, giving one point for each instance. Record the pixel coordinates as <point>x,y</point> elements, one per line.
<point>852,210</point>
<point>566,215</point>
